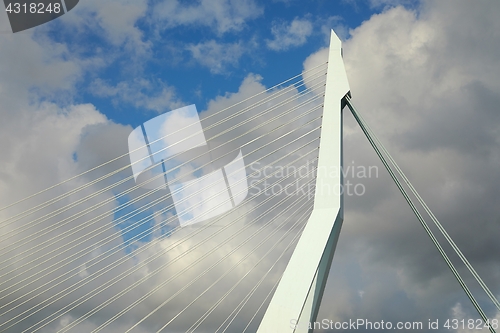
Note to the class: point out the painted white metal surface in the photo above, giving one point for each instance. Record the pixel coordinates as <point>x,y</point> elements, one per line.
<point>296,300</point>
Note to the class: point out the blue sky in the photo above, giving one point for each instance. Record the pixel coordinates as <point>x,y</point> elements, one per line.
<point>197,61</point>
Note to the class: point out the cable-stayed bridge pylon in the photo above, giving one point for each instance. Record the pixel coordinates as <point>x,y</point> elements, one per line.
<point>298,296</point>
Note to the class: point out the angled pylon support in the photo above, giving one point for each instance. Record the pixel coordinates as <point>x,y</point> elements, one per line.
<point>295,304</point>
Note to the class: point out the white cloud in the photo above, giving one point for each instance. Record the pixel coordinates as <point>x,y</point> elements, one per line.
<point>314,64</point>
<point>338,24</point>
<point>103,18</point>
<point>470,324</point>
<point>216,56</point>
<point>221,15</point>
<point>392,3</point>
<point>42,65</point>
<point>290,35</point>
<point>141,93</point>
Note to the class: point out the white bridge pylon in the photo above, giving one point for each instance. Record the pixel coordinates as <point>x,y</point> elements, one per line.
<point>296,301</point>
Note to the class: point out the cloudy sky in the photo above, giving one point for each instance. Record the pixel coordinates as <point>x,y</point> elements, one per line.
<point>425,75</point>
